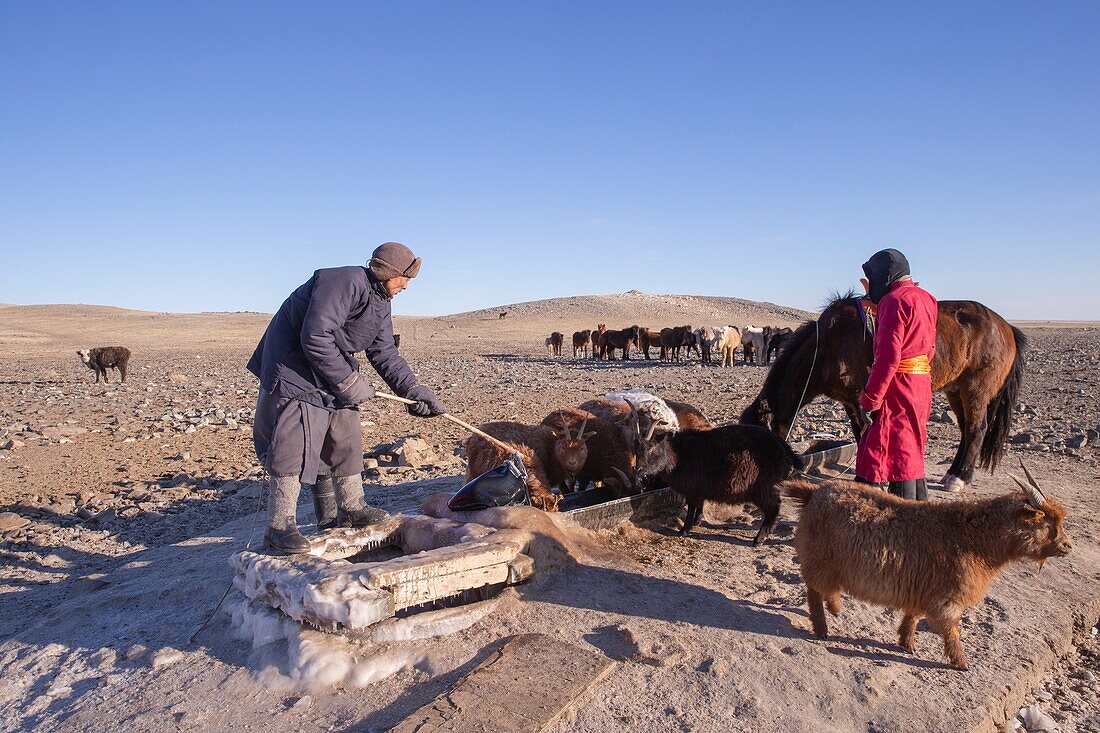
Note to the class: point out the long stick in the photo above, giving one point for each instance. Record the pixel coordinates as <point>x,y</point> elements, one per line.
<point>461,423</point>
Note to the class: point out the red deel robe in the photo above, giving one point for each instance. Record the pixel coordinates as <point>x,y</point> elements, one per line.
<point>893,448</point>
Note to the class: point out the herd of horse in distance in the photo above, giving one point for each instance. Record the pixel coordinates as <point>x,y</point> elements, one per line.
<point>710,343</point>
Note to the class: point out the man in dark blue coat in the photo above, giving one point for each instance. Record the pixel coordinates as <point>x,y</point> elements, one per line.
<point>306,429</point>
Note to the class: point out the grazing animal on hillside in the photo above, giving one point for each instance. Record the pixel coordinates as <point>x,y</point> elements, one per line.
<point>502,316</point>
<point>704,341</point>
<point>598,349</point>
<point>728,338</point>
<point>774,338</point>
<point>752,341</point>
<point>102,358</point>
<point>673,340</point>
<point>732,464</point>
<point>612,452</point>
<point>978,364</point>
<point>648,339</point>
<point>620,340</point>
<point>552,458</point>
<point>926,559</point>
<point>581,339</point>
<point>397,340</point>
<point>553,343</point>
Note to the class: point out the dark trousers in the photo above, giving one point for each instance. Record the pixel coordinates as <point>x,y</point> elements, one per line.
<point>295,438</point>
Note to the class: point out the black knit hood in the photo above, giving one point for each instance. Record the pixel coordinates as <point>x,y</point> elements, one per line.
<point>885,268</point>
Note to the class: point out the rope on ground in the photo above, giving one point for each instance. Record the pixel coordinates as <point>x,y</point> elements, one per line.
<point>247,545</point>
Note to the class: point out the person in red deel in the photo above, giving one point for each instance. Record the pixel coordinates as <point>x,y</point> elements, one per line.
<point>897,398</point>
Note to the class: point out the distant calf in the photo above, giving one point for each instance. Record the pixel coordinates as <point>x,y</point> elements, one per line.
<point>732,464</point>
<point>102,358</point>
<point>924,559</point>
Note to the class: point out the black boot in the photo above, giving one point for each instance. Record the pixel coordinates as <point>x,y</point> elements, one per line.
<point>287,541</point>
<point>906,489</point>
<point>324,503</point>
<point>353,511</point>
<point>922,490</point>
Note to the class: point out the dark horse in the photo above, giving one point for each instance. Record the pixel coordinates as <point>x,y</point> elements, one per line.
<point>620,340</point>
<point>978,365</point>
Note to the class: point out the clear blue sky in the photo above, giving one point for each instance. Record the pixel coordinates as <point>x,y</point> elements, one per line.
<point>193,156</point>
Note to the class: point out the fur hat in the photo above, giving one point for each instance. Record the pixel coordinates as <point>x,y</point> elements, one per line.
<point>393,259</point>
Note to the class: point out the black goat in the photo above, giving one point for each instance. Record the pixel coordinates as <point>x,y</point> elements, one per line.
<point>732,464</point>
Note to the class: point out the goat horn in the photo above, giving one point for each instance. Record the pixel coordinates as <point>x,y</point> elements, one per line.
<point>627,483</point>
<point>1035,497</point>
<point>584,424</point>
<point>564,425</point>
<point>1034,484</point>
<point>651,431</point>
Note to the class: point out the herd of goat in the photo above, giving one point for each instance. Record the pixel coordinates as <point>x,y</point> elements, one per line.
<point>710,343</point>
<point>929,560</point>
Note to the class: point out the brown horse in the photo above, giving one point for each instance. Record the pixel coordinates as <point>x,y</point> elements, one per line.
<point>611,340</point>
<point>978,365</point>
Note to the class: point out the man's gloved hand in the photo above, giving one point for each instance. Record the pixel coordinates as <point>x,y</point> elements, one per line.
<point>354,390</point>
<point>427,404</point>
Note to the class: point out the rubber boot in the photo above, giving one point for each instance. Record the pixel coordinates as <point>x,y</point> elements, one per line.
<point>349,496</point>
<point>324,503</point>
<point>916,489</point>
<point>282,533</point>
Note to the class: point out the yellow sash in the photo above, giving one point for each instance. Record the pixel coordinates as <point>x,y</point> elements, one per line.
<point>915,365</point>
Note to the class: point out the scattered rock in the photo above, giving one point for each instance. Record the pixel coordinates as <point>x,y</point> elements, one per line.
<point>165,657</point>
<point>178,378</point>
<point>303,702</point>
<point>11,522</point>
<point>136,652</point>
<point>413,452</point>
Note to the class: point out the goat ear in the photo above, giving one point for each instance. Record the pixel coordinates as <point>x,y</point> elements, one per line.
<point>1029,513</point>
<point>587,435</point>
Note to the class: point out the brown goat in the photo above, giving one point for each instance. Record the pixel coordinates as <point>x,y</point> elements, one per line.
<point>551,458</point>
<point>581,340</point>
<point>689,416</point>
<point>926,559</point>
<point>102,358</point>
<point>612,453</point>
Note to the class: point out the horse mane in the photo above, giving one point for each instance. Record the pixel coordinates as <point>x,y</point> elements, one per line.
<point>835,296</point>
<point>783,359</point>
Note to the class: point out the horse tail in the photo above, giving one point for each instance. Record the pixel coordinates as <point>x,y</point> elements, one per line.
<point>1001,409</point>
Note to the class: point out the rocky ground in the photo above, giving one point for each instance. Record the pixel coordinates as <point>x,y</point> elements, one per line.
<point>93,474</point>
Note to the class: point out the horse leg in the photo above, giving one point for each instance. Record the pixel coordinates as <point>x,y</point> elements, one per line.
<point>951,479</point>
<point>973,435</point>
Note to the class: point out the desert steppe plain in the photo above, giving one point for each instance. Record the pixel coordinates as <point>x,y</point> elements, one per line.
<point>122,502</point>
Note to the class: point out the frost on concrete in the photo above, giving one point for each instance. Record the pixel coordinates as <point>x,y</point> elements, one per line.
<point>326,589</point>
